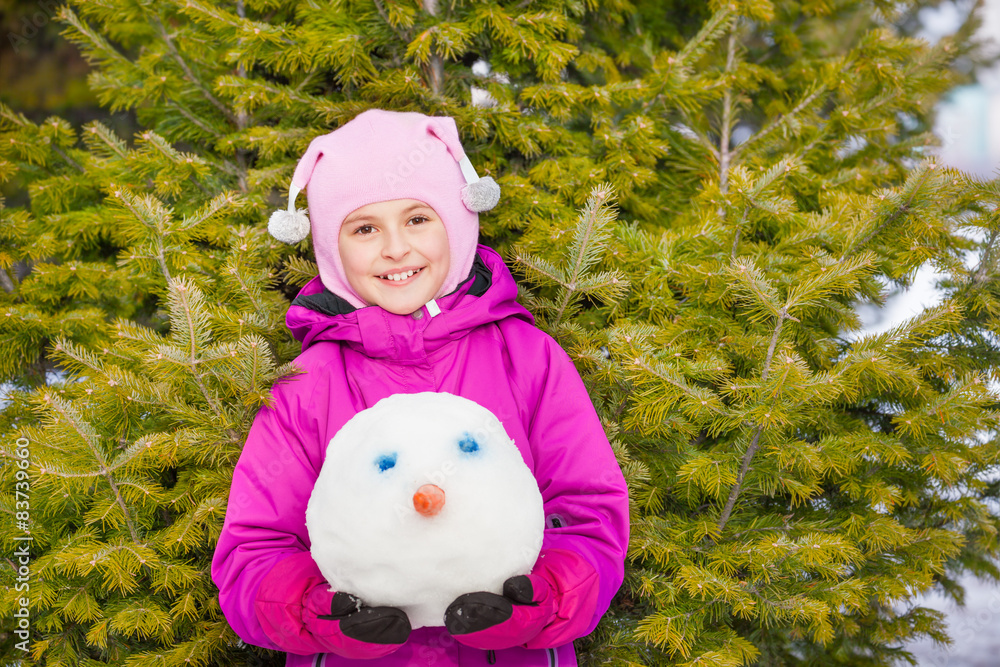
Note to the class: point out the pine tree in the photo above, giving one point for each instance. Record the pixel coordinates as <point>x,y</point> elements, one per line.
<point>794,485</point>
<point>168,345</point>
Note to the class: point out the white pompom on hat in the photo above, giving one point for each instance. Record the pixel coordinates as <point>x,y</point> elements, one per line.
<point>381,156</point>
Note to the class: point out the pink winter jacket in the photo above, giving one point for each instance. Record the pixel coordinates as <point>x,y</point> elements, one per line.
<point>483,346</point>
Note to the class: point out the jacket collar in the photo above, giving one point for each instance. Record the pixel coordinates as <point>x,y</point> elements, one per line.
<point>487,295</point>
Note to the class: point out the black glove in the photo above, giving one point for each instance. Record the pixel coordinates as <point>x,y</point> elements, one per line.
<point>374,625</point>
<point>490,621</point>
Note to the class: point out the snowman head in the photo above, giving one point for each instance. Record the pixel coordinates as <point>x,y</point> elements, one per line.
<point>426,489</point>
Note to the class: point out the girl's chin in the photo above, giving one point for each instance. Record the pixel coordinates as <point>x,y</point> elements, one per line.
<point>402,308</point>
<point>402,303</point>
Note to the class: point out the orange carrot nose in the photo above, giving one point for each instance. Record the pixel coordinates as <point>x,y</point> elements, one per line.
<point>428,500</point>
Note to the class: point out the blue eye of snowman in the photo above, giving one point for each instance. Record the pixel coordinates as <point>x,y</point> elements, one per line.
<point>386,462</point>
<point>468,444</point>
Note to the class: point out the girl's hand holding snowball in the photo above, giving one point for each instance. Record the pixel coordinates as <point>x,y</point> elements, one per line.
<point>385,626</point>
<point>544,609</point>
<point>298,611</point>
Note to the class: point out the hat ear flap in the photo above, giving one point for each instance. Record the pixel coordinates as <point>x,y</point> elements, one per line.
<point>479,194</point>
<point>292,225</point>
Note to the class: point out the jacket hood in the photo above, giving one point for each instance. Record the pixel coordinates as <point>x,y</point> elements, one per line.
<point>487,295</point>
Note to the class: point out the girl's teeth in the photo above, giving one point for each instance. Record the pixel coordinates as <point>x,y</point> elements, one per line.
<point>399,276</point>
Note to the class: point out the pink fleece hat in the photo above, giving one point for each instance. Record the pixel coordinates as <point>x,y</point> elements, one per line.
<point>380,156</point>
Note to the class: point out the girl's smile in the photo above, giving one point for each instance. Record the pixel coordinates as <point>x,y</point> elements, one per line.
<point>402,276</point>
<point>395,254</point>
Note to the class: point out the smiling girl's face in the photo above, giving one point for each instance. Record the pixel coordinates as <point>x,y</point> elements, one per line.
<point>395,254</point>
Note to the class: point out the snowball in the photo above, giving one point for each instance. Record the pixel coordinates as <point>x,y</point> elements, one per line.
<point>422,498</point>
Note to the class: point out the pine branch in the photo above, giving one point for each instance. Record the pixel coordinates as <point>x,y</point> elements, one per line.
<point>168,40</point>
<point>539,266</point>
<point>700,139</point>
<point>752,282</point>
<point>184,111</point>
<point>693,49</point>
<point>593,217</point>
<point>66,158</point>
<point>298,271</point>
<point>220,202</point>
<point>780,121</point>
<point>748,456</point>
<point>97,43</point>
<point>712,30</point>
<point>107,138</point>
<point>174,157</point>
<point>987,260</point>
<point>666,374</point>
<point>21,121</point>
<point>752,197</point>
<point>130,202</point>
<point>88,437</point>
<point>901,210</point>
<point>78,357</point>
<point>837,278</point>
<point>189,301</point>
<point>187,309</point>
<point>403,36</point>
<point>252,294</point>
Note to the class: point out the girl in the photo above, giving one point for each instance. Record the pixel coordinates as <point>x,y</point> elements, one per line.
<point>406,302</point>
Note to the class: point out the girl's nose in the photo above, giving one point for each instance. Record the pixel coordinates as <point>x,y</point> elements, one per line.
<point>428,500</point>
<point>396,245</point>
